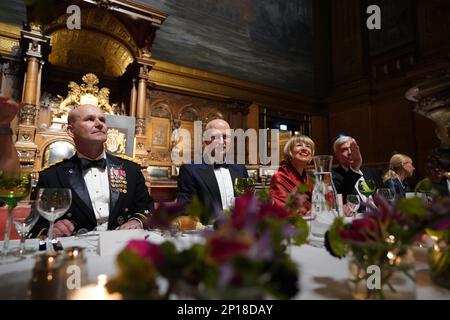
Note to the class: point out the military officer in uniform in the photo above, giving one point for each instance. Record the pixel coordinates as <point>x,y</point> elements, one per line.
<point>108,192</point>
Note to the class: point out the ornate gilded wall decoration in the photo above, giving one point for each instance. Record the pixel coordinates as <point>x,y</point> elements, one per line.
<point>115,141</point>
<point>86,93</point>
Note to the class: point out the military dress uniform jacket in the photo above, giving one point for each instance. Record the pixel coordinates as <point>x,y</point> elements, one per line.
<point>128,199</point>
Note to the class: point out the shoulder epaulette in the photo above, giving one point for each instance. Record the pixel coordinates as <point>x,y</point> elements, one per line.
<point>51,165</point>
<point>125,157</point>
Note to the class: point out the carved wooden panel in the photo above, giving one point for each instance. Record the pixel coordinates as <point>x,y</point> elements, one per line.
<point>347,46</point>
<point>433,25</point>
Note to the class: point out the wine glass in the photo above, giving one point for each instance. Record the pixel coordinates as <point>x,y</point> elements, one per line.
<point>386,193</point>
<point>25,217</point>
<point>53,203</point>
<point>367,187</point>
<point>244,185</point>
<point>353,203</point>
<point>14,186</point>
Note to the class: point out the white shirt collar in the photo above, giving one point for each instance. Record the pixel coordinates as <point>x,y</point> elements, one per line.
<point>102,155</point>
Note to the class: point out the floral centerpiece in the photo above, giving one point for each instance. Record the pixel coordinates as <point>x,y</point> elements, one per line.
<point>379,246</point>
<point>245,257</point>
<point>439,253</point>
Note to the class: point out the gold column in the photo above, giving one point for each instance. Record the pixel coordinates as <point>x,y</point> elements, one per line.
<point>141,97</point>
<point>133,97</point>
<point>31,81</point>
<point>145,65</point>
<point>34,46</point>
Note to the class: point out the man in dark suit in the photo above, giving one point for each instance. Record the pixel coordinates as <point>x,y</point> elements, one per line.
<point>350,169</point>
<point>213,180</point>
<point>108,192</point>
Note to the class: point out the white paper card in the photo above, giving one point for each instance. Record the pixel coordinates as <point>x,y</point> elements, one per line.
<point>112,242</point>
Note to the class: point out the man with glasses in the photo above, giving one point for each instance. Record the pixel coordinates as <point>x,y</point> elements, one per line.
<point>213,180</point>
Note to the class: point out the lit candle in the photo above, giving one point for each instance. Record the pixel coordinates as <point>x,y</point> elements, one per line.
<point>95,292</point>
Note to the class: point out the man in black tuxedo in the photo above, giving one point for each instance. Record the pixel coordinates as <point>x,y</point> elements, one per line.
<point>108,192</point>
<point>350,169</point>
<point>213,180</point>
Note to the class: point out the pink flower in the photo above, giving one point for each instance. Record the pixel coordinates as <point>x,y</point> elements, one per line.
<point>275,211</point>
<point>359,229</point>
<point>146,249</point>
<point>223,249</point>
<point>245,209</point>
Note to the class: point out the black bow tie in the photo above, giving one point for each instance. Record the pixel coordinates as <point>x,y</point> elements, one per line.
<point>87,164</point>
<point>220,165</point>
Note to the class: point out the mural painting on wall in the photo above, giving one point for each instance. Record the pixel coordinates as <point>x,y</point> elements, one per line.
<point>264,41</point>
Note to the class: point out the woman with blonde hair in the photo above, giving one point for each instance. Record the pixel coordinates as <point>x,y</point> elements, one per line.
<point>297,153</point>
<point>400,168</point>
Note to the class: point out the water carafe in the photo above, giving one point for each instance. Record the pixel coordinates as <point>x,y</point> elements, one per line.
<point>324,199</point>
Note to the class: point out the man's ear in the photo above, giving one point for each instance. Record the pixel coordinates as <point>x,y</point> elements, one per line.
<point>69,130</point>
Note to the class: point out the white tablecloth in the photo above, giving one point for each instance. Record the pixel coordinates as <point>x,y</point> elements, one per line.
<point>321,275</point>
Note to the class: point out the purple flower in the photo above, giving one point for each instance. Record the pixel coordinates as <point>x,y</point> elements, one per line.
<point>262,249</point>
<point>226,273</point>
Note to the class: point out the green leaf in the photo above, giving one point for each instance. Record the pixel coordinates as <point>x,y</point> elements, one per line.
<point>424,185</point>
<point>263,194</point>
<point>195,208</point>
<point>441,234</point>
<point>412,207</point>
<point>335,242</point>
<point>303,188</point>
<point>303,231</point>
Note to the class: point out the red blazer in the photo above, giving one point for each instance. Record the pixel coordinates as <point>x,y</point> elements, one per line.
<point>285,180</point>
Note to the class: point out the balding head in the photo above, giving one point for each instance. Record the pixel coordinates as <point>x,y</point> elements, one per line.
<point>218,138</point>
<point>219,124</point>
<point>86,126</point>
<point>75,113</point>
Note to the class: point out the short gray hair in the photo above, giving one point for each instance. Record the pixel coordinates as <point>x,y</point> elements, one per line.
<point>339,141</point>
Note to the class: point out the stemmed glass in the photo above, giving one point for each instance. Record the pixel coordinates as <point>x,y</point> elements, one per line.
<point>25,217</point>
<point>14,186</point>
<point>367,187</point>
<point>353,203</point>
<point>53,203</point>
<point>244,185</point>
<point>386,193</point>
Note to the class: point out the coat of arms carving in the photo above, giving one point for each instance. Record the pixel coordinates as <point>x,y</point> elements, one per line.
<point>115,141</point>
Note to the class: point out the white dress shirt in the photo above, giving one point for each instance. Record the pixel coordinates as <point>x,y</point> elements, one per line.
<point>97,184</point>
<point>225,183</point>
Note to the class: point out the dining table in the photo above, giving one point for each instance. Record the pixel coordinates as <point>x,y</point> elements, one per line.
<point>321,276</point>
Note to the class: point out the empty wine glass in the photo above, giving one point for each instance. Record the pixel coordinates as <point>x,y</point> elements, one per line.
<point>353,203</point>
<point>386,193</point>
<point>244,185</point>
<point>53,203</point>
<point>25,217</point>
<point>367,187</point>
<point>14,186</point>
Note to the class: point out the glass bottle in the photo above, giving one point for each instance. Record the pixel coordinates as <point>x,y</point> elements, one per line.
<point>324,199</point>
